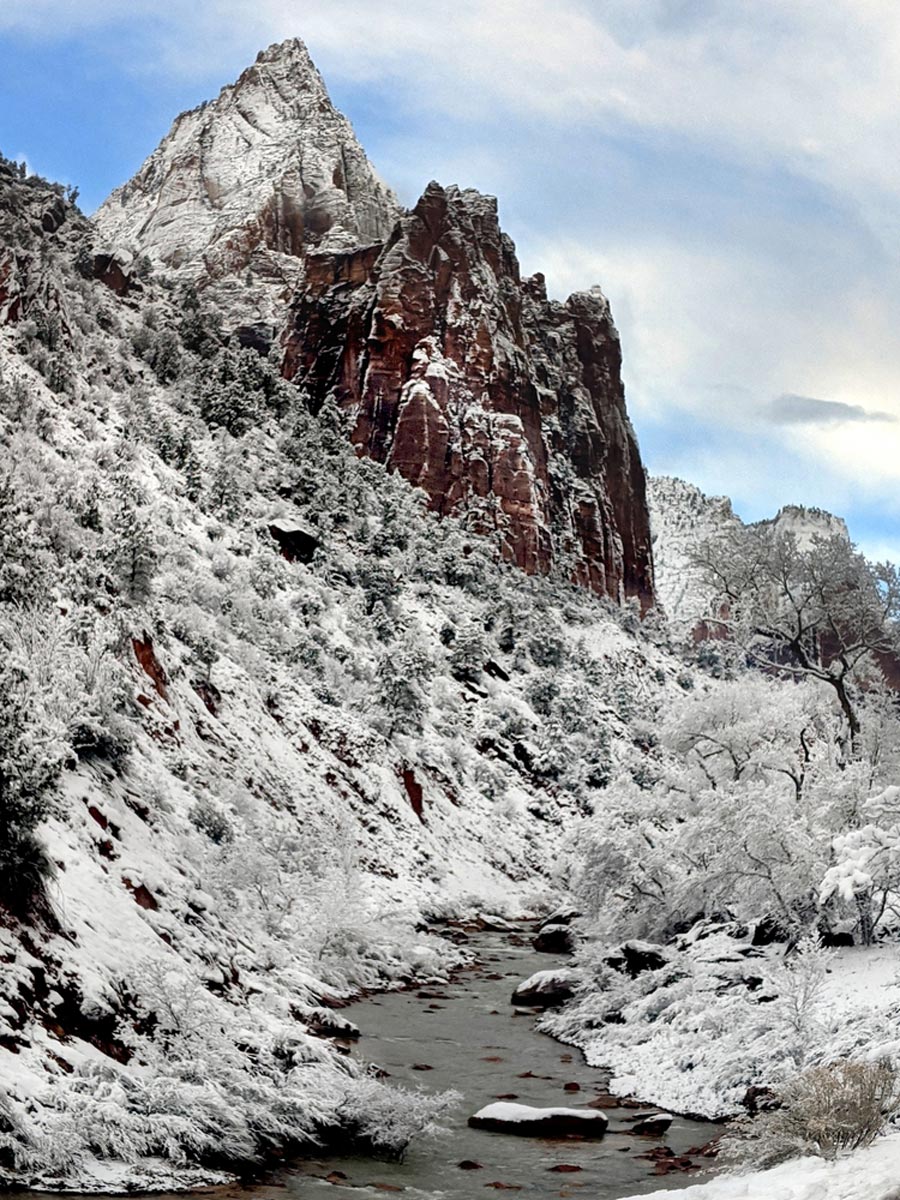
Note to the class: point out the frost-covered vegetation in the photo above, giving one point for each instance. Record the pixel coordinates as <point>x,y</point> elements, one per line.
<point>763,831</point>
<point>262,716</point>
<point>233,781</point>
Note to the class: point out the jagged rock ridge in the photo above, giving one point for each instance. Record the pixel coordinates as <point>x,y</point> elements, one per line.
<point>682,518</point>
<point>505,407</point>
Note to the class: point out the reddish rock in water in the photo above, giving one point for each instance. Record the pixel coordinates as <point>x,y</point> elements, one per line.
<point>505,407</point>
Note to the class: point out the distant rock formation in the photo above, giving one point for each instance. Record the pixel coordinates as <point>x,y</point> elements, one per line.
<point>682,518</point>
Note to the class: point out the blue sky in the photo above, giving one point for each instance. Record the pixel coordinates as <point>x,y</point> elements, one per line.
<point>726,169</point>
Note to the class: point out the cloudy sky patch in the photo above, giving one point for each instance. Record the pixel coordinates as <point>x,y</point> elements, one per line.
<point>790,409</point>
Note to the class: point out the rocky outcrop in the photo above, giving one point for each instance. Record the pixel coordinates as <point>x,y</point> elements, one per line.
<point>252,181</point>
<point>505,407</point>
<point>38,223</point>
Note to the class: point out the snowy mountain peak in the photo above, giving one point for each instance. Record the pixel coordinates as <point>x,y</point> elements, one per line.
<point>808,523</point>
<point>292,51</point>
<point>252,180</point>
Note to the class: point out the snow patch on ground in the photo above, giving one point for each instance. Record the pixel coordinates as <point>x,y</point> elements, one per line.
<point>871,1174</point>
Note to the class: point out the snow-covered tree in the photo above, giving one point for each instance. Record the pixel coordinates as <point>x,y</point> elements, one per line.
<point>32,751</point>
<point>818,610</point>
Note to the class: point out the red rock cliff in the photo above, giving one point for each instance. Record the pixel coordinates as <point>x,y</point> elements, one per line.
<point>505,407</point>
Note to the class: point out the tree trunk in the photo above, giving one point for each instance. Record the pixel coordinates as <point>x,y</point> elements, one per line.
<point>866,921</point>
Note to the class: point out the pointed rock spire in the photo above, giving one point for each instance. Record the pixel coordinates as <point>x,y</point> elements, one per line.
<point>255,178</point>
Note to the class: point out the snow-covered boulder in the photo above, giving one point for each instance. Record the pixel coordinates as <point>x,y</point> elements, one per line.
<point>560,916</point>
<point>651,1124</point>
<point>635,957</point>
<point>546,989</point>
<point>554,939</point>
<point>526,1121</point>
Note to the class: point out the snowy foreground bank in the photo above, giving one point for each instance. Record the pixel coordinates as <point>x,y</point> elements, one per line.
<point>871,1174</point>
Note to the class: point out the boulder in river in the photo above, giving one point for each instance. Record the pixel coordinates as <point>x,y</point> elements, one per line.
<point>324,1023</point>
<point>491,923</point>
<point>651,1124</point>
<point>546,989</point>
<point>526,1121</point>
<point>561,916</point>
<point>554,939</point>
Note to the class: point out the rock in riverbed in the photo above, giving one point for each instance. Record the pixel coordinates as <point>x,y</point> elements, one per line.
<point>651,1124</point>
<point>546,989</point>
<point>554,939</point>
<point>525,1121</point>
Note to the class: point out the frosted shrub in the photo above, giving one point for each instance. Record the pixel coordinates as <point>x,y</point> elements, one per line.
<point>825,1111</point>
<point>212,821</point>
<point>800,982</point>
<point>384,1120</point>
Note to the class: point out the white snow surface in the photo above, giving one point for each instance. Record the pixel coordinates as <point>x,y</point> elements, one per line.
<point>870,1174</point>
<point>504,1110</point>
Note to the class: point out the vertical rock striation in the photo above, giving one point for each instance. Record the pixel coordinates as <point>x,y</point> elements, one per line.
<point>507,408</point>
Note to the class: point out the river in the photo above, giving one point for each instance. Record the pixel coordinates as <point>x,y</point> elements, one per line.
<point>471,1039</point>
<point>474,1042</point>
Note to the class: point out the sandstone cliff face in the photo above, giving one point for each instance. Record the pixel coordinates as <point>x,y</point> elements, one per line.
<point>252,180</point>
<point>505,407</point>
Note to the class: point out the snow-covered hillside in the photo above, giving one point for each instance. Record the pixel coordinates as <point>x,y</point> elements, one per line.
<point>289,713</point>
<point>266,718</point>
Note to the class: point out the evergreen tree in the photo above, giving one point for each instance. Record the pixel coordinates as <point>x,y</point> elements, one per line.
<point>25,559</point>
<point>131,552</point>
<point>31,755</point>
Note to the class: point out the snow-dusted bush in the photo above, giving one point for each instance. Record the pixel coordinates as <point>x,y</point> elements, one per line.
<point>383,1120</point>
<point>826,1111</point>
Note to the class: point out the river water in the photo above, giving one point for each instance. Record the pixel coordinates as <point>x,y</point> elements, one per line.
<point>473,1043</point>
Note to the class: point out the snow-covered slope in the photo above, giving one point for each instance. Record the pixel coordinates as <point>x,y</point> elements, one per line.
<point>251,181</point>
<point>870,1174</point>
<point>263,768</point>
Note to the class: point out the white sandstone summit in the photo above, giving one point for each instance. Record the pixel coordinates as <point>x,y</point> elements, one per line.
<point>682,518</point>
<point>252,180</point>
